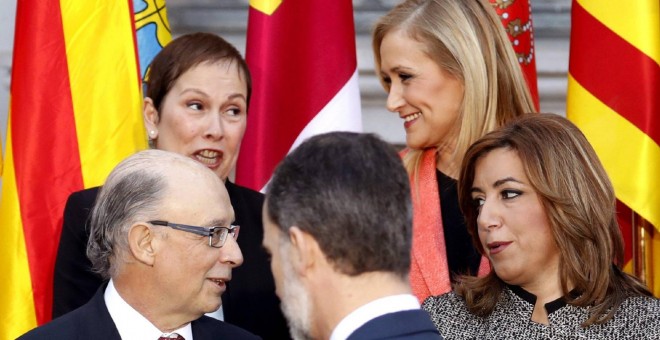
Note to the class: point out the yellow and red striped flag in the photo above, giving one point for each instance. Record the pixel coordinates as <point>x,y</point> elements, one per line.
<point>302,57</point>
<point>614,97</point>
<point>75,112</point>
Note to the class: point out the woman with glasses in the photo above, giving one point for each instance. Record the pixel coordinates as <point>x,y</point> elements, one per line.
<point>198,91</point>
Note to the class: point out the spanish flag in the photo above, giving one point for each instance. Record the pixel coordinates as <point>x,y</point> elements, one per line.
<point>614,97</point>
<point>75,112</point>
<point>302,57</point>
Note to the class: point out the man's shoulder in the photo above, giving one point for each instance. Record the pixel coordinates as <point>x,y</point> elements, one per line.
<point>408,324</point>
<point>210,328</point>
<point>84,322</point>
<point>61,328</point>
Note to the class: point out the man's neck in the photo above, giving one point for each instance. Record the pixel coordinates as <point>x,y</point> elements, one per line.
<point>148,306</point>
<point>339,295</point>
<point>130,323</point>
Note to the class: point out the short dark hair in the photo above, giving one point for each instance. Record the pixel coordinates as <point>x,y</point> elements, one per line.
<point>185,52</point>
<point>350,192</point>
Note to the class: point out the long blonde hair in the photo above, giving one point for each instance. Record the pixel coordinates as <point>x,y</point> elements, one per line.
<point>466,39</point>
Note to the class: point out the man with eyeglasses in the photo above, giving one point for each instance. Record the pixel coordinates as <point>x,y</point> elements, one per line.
<point>338,226</point>
<point>161,231</point>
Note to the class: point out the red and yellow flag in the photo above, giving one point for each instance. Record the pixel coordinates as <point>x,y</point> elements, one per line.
<point>614,97</point>
<point>75,112</point>
<point>302,57</point>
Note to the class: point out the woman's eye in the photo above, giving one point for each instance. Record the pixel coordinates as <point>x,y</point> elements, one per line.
<point>509,194</point>
<point>404,76</point>
<point>478,202</point>
<point>233,112</point>
<point>386,80</point>
<point>195,106</point>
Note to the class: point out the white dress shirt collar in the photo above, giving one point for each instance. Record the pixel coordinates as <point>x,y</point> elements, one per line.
<point>130,323</point>
<point>372,310</point>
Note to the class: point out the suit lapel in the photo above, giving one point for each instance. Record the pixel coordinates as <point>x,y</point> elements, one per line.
<point>96,323</point>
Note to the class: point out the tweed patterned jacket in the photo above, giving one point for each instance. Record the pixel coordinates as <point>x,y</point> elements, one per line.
<point>637,318</point>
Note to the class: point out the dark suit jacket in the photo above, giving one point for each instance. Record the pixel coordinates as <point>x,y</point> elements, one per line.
<point>249,302</point>
<point>411,324</point>
<point>93,321</point>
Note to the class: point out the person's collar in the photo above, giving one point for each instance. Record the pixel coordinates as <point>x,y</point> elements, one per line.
<point>130,323</point>
<point>372,310</point>
<point>551,306</point>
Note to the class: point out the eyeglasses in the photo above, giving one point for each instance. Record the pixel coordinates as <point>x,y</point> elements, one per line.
<point>217,235</point>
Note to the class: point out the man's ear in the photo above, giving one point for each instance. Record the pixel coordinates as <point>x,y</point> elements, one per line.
<point>141,243</point>
<point>151,118</point>
<point>305,250</point>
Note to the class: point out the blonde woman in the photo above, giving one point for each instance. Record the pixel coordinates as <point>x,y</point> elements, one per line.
<point>452,76</point>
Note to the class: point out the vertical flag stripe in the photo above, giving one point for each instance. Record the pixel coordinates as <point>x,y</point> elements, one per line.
<point>623,77</point>
<point>614,77</point>
<point>44,147</point>
<point>335,116</point>
<point>637,22</point>
<point>103,142</point>
<point>15,293</point>
<point>75,112</point>
<point>300,56</point>
<point>619,144</point>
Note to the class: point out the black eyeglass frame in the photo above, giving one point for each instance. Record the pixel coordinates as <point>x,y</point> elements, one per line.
<point>203,231</point>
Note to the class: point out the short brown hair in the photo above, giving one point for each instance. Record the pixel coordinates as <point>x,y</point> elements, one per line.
<point>185,52</point>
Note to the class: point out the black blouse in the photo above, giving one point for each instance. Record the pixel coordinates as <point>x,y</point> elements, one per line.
<point>462,257</point>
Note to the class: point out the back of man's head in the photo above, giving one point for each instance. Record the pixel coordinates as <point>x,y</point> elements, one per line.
<point>350,192</point>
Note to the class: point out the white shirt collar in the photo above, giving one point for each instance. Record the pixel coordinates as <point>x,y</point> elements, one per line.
<point>372,310</point>
<point>130,323</point>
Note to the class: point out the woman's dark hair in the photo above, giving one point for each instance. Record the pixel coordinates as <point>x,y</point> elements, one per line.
<point>185,52</point>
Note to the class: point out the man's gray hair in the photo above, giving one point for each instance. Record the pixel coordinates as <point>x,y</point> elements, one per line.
<point>132,193</point>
